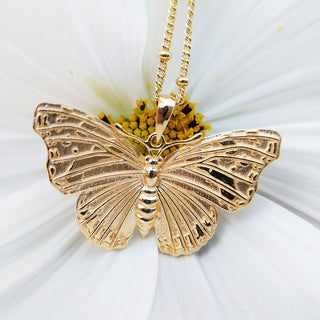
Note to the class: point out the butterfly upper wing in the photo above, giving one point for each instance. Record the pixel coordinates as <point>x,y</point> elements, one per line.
<point>83,151</point>
<point>220,170</point>
<point>87,155</point>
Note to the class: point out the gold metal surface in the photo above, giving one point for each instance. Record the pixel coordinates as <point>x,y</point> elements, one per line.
<point>166,105</point>
<point>165,55</point>
<point>177,195</point>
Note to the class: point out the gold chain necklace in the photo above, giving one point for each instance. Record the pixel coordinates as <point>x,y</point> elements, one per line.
<point>165,55</point>
<point>177,195</point>
<point>166,104</point>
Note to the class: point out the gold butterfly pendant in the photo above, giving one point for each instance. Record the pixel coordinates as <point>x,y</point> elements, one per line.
<point>121,189</point>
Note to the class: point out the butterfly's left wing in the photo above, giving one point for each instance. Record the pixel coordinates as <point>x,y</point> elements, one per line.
<point>219,171</point>
<point>89,156</point>
<point>83,151</point>
<point>107,215</point>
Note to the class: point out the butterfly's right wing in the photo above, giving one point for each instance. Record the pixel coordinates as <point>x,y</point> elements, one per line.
<point>186,221</point>
<point>89,156</point>
<point>219,171</point>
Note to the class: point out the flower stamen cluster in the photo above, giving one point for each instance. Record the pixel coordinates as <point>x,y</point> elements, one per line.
<point>184,123</point>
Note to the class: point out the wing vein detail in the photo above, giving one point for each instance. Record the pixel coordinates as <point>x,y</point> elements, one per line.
<point>196,186</point>
<point>181,215</point>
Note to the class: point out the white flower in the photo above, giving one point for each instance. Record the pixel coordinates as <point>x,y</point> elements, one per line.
<point>254,64</point>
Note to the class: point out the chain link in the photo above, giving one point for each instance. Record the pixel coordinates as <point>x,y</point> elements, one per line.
<point>165,55</point>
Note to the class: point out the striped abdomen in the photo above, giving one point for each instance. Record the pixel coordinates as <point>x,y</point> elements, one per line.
<point>147,210</point>
<point>147,205</point>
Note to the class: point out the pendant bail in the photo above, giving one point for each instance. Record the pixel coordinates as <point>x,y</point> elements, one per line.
<point>166,105</point>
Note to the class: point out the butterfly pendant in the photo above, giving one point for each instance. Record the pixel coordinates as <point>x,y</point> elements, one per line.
<point>177,195</point>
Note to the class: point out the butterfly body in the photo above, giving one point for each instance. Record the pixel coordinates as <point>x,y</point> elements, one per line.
<point>120,189</point>
<point>148,204</point>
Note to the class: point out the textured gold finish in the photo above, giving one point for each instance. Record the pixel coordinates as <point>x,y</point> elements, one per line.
<point>182,81</point>
<point>186,49</point>
<point>166,45</point>
<point>166,105</point>
<point>165,54</point>
<point>178,195</point>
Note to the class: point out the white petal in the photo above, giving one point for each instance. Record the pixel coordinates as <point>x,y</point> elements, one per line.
<point>44,257</point>
<point>71,54</point>
<point>262,263</point>
<point>250,74</point>
<point>293,179</point>
<point>88,282</point>
<point>245,72</point>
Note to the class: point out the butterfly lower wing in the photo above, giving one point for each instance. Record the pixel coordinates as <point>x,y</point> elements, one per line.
<point>185,222</point>
<point>83,151</point>
<point>107,215</point>
<point>223,168</point>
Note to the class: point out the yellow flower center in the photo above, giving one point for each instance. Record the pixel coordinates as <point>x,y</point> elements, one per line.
<point>184,123</point>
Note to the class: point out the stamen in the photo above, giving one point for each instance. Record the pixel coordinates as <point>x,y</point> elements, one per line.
<point>184,123</point>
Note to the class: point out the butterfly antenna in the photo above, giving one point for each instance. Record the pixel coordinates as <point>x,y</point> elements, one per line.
<point>130,135</point>
<point>151,143</point>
